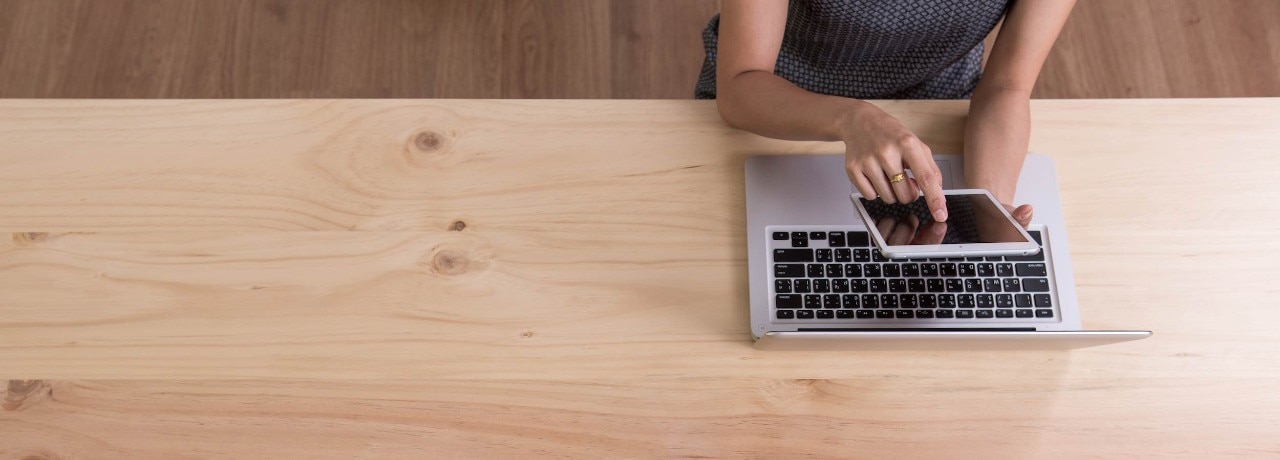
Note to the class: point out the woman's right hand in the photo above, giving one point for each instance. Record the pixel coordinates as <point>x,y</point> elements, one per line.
<point>878,147</point>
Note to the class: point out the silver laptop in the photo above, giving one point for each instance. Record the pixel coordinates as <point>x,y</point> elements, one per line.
<point>849,297</point>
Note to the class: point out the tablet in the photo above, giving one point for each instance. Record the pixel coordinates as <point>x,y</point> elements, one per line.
<point>977,225</point>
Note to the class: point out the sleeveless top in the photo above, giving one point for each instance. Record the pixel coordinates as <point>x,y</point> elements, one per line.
<point>877,49</point>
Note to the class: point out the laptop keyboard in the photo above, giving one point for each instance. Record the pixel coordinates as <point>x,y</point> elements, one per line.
<point>840,276</point>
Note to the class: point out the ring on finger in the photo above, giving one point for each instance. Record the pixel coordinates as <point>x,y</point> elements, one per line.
<point>899,177</point>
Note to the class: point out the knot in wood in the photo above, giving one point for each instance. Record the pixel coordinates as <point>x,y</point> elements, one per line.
<point>450,262</point>
<point>428,141</point>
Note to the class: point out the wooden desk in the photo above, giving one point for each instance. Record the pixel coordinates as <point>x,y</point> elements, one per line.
<point>414,278</point>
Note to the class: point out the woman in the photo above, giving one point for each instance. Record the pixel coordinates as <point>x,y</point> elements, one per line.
<point>797,70</point>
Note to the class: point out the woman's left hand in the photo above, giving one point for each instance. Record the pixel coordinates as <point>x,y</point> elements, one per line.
<point>1022,214</point>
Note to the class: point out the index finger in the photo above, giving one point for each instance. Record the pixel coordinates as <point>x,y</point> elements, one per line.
<point>929,179</point>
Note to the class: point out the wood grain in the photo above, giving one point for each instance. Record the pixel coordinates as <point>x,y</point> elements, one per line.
<point>1005,415</point>
<point>547,49</point>
<point>470,239</point>
<point>401,278</point>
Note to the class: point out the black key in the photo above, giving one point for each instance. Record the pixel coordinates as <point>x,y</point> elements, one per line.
<point>1043,301</point>
<point>817,270</point>
<point>844,314</point>
<point>781,301</point>
<point>1035,285</point>
<point>835,271</point>
<point>910,270</point>
<point>1035,235</point>
<point>1034,257</point>
<point>946,301</point>
<point>822,286</point>
<point>786,314</point>
<point>973,285</point>
<point>849,301</point>
<point>888,301</point>
<point>937,259</point>
<point>1044,313</point>
<point>859,239</point>
<point>870,301</point>
<point>993,258</point>
<point>915,285</point>
<point>956,259</point>
<point>1021,313</point>
<point>1031,269</point>
<point>839,285</point>
<point>983,313</point>
<point>826,314</point>
<point>991,285</point>
<point>788,270</point>
<point>986,301</point>
<point>935,285</point>
<point>778,236</point>
<point>955,285</point>
<point>799,242</point>
<point>945,314</point>
<point>879,285</point>
<point>824,255</point>
<point>782,286</point>
<point>853,270</point>
<point>865,314</point>
<point>813,301</point>
<point>986,270</point>
<point>1022,300</point>
<point>1004,313</point>
<point>1004,269</point>
<point>905,314</point>
<point>1012,285</point>
<point>907,300</point>
<point>965,300</point>
<point>872,271</point>
<point>835,239</point>
<point>929,270</point>
<point>831,301</point>
<point>968,270</point>
<point>947,270</point>
<point>877,256</point>
<point>928,301</point>
<point>817,235</point>
<point>926,314</point>
<point>884,314</point>
<point>897,285</point>
<point>844,255</point>
<point>959,313</point>
<point>792,255</point>
<point>803,287</point>
<point>861,255</point>
<point>858,285</point>
<point>892,270</point>
<point>804,314</point>
<point>1004,301</point>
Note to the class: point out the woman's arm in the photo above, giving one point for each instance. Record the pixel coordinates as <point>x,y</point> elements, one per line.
<point>750,97</point>
<point>999,125</point>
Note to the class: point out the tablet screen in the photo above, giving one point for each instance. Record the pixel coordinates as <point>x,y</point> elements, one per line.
<point>970,219</point>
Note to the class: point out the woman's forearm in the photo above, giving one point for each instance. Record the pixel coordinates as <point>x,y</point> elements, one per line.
<point>771,106</point>
<point>996,137</point>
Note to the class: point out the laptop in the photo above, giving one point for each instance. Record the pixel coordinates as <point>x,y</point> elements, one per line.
<point>850,297</point>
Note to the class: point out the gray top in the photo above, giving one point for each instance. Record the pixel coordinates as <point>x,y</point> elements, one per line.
<point>877,49</point>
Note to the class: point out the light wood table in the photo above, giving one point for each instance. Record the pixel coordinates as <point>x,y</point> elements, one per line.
<point>499,278</point>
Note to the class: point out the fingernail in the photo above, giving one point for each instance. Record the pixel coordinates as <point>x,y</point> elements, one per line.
<point>940,215</point>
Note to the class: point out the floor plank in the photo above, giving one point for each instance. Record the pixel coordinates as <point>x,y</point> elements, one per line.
<point>547,49</point>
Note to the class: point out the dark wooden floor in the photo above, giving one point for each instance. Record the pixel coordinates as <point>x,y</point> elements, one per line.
<point>547,48</point>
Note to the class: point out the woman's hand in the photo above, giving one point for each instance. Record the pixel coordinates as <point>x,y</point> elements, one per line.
<point>878,147</point>
<point>1022,214</point>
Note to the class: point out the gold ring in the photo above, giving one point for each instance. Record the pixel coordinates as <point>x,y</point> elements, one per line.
<point>899,177</point>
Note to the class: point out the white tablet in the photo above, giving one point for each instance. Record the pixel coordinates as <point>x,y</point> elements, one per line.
<point>977,225</point>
